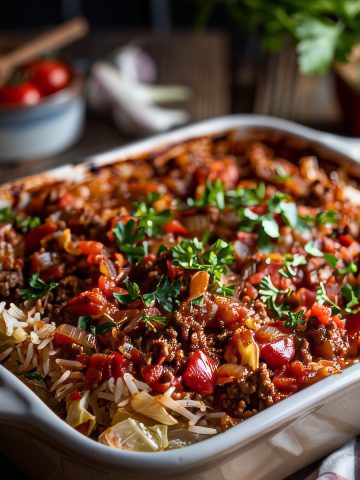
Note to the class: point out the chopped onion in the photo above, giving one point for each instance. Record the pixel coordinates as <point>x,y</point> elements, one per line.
<point>78,415</point>
<point>147,405</point>
<point>77,335</point>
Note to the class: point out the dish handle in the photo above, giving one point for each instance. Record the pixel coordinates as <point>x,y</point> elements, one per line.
<point>346,145</point>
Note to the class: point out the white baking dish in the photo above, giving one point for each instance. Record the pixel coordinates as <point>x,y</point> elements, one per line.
<point>271,445</point>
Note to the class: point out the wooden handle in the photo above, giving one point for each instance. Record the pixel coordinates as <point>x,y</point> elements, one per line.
<point>55,39</point>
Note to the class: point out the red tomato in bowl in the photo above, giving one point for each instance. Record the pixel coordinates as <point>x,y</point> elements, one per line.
<point>49,76</point>
<point>25,93</point>
<point>200,373</point>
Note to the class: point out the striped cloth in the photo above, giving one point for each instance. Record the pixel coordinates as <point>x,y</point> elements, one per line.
<point>343,464</point>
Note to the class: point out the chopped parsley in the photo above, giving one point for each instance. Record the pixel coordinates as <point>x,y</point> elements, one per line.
<point>102,328</point>
<point>83,321</point>
<point>149,220</point>
<point>291,261</point>
<point>166,294</point>
<point>198,301</point>
<point>24,224</point>
<point>312,250</point>
<point>133,293</point>
<point>149,320</point>
<point>326,217</point>
<point>127,236</point>
<point>37,288</point>
<point>33,375</point>
<point>323,299</point>
<point>294,319</point>
<point>352,296</point>
<point>268,294</point>
<point>246,197</point>
<point>351,268</point>
<point>213,195</point>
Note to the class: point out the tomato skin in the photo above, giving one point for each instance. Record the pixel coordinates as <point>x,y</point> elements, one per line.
<point>49,76</point>
<point>152,375</point>
<point>108,287</point>
<point>352,324</point>
<point>285,384</point>
<point>200,373</point>
<point>322,313</point>
<point>34,236</point>
<point>61,339</point>
<point>175,227</point>
<point>346,240</point>
<point>102,366</point>
<point>279,353</point>
<point>26,93</point>
<point>91,302</point>
<point>89,247</point>
<point>75,395</point>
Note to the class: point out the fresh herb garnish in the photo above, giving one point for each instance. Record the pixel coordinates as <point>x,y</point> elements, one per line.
<point>103,328</point>
<point>24,224</point>
<point>351,268</point>
<point>330,259</point>
<point>149,220</point>
<point>293,319</point>
<point>212,195</point>
<point>225,290</point>
<point>133,293</point>
<point>323,299</point>
<point>37,288</point>
<point>268,294</point>
<point>312,250</point>
<point>291,261</point>
<point>83,321</point>
<point>149,320</point>
<point>127,236</point>
<point>198,301</point>
<point>352,296</point>
<point>33,375</point>
<point>246,197</point>
<point>166,294</point>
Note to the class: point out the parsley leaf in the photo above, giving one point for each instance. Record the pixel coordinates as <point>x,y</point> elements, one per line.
<point>268,294</point>
<point>27,223</point>
<point>167,295</point>
<point>133,293</point>
<point>352,296</point>
<point>323,299</point>
<point>213,195</point>
<point>33,375</point>
<point>246,197</point>
<point>149,320</point>
<point>198,301</point>
<point>291,261</point>
<point>312,250</point>
<point>351,268</point>
<point>294,318</point>
<point>7,216</point>
<point>83,321</point>
<point>102,328</point>
<point>149,220</point>
<point>37,288</point>
<point>126,236</point>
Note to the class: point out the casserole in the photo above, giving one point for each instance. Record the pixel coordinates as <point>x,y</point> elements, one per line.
<point>178,463</point>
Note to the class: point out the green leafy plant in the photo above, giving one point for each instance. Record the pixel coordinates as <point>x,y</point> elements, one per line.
<point>322,30</point>
<point>37,288</point>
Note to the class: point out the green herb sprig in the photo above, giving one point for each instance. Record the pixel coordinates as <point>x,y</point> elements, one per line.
<point>37,288</point>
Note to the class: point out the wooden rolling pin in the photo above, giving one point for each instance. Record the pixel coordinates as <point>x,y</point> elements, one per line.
<point>52,40</point>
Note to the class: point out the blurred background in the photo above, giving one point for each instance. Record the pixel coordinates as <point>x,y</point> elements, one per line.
<point>217,64</point>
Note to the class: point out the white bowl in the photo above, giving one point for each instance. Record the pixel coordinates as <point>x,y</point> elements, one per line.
<point>47,128</point>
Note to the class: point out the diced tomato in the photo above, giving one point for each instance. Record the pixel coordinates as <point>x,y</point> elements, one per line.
<point>108,287</point>
<point>175,227</point>
<point>296,369</point>
<point>285,384</point>
<point>149,258</point>
<point>321,312</point>
<point>119,365</point>
<point>246,237</point>
<point>62,339</point>
<point>174,271</point>
<point>339,322</point>
<point>231,313</point>
<point>352,324</point>
<point>345,240</point>
<point>152,376</point>
<point>103,366</point>
<point>200,373</point>
<point>34,236</point>
<point>278,353</point>
<point>91,302</point>
<point>88,247</point>
<point>65,199</point>
<point>75,395</point>
<point>83,358</point>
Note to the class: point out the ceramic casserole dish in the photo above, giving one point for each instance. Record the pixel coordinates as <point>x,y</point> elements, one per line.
<point>270,445</point>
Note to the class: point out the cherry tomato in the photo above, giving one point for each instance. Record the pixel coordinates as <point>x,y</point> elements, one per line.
<point>278,353</point>
<point>25,93</point>
<point>49,76</point>
<point>200,373</point>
